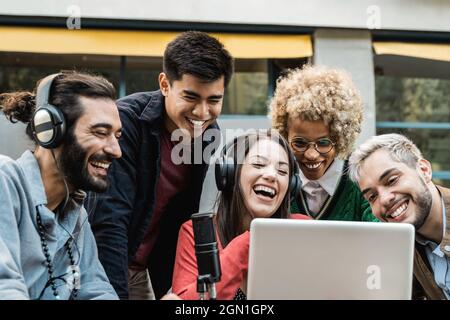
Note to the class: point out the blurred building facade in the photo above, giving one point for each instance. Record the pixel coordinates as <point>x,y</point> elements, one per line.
<point>398,52</point>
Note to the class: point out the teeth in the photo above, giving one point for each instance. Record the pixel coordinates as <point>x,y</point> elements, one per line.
<point>198,123</point>
<point>101,165</point>
<point>265,189</point>
<point>399,210</point>
<point>312,166</point>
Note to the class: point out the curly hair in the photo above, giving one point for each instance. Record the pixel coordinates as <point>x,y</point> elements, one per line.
<point>320,93</point>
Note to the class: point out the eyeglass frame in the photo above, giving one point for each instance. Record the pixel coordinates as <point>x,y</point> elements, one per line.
<point>333,144</point>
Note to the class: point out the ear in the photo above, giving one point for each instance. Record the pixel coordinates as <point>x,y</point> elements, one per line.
<point>164,84</point>
<point>424,168</point>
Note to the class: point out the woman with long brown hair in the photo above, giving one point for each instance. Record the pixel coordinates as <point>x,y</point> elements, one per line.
<point>260,186</point>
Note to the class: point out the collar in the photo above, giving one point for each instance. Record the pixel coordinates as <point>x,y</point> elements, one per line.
<point>431,244</point>
<point>445,196</point>
<point>444,246</point>
<point>153,111</point>
<point>331,177</point>
<point>71,223</point>
<point>30,167</point>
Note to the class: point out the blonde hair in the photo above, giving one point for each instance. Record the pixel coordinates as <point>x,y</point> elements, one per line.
<point>400,149</point>
<point>319,93</point>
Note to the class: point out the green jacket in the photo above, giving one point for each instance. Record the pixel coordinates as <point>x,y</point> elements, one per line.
<point>347,203</point>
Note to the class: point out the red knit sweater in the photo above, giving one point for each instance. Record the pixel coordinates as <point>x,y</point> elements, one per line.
<point>233,261</point>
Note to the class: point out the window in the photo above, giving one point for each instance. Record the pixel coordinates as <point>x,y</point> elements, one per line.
<point>20,71</point>
<point>420,109</point>
<point>253,83</point>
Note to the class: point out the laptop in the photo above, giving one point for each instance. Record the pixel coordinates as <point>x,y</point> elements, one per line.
<point>330,260</point>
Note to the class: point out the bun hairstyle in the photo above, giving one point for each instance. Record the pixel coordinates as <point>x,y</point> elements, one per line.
<point>64,94</point>
<point>18,106</point>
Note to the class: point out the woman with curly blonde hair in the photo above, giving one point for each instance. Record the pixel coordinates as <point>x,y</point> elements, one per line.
<point>319,111</point>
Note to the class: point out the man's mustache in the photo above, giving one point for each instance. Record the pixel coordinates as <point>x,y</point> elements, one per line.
<point>101,158</point>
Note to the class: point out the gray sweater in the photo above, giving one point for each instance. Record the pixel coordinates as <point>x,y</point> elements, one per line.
<point>23,271</point>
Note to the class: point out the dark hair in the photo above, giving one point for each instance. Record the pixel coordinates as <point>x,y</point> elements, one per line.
<point>232,209</point>
<point>198,54</point>
<point>64,94</point>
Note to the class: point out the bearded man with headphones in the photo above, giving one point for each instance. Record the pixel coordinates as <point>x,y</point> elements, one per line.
<point>75,124</point>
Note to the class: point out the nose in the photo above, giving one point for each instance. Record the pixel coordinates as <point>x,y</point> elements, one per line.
<point>201,110</point>
<point>270,173</point>
<point>311,153</point>
<point>113,148</point>
<point>386,198</point>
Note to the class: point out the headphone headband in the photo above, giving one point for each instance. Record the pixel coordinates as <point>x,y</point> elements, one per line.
<point>43,90</point>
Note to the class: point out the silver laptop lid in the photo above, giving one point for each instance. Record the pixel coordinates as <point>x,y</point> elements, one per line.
<point>298,259</point>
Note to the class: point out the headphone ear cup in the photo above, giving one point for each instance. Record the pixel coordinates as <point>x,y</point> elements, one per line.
<point>295,186</point>
<point>230,172</point>
<point>219,173</point>
<point>48,126</point>
<point>224,171</point>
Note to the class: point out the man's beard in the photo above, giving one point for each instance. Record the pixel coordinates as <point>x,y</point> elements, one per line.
<point>74,164</point>
<point>423,203</point>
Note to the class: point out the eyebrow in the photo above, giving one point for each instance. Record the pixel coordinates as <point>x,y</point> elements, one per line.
<point>194,94</point>
<point>104,125</point>
<point>381,178</point>
<point>266,159</point>
<point>101,125</point>
<point>300,137</point>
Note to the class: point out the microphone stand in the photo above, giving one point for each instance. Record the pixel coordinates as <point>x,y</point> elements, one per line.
<point>212,291</point>
<point>204,284</point>
<point>201,287</point>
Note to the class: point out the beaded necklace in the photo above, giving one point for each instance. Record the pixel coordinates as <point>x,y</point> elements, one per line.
<point>49,263</point>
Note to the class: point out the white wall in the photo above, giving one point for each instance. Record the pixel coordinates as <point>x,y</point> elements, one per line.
<point>351,50</point>
<point>13,140</point>
<point>423,15</point>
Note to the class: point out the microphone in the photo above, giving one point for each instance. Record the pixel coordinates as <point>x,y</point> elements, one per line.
<point>207,253</point>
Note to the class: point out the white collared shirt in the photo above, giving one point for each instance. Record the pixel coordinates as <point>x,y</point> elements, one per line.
<point>317,191</point>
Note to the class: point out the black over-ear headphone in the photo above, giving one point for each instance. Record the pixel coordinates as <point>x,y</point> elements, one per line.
<point>225,167</point>
<point>48,123</point>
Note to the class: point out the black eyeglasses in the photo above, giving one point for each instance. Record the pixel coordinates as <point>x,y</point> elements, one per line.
<point>322,146</point>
